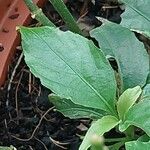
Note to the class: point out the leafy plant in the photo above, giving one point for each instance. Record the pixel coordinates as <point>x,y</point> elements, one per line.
<point>82,79</point>
<point>84,84</point>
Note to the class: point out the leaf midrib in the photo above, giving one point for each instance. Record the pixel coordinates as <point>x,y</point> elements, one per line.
<point>86,82</point>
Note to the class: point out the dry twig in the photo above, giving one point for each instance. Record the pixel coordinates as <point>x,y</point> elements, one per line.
<point>33,133</point>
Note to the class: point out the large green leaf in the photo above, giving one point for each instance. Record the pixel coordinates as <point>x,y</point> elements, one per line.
<point>98,128</point>
<point>71,66</point>
<point>132,58</point>
<point>138,115</point>
<point>137,15</point>
<point>127,99</point>
<point>137,145</point>
<point>69,109</point>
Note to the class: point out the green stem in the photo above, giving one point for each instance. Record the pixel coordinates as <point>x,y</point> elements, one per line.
<point>115,139</point>
<point>66,15</point>
<point>117,146</point>
<point>38,14</point>
<point>129,132</point>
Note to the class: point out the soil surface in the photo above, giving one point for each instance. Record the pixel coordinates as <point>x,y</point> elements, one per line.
<point>27,120</point>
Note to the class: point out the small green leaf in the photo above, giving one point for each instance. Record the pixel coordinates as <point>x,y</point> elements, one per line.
<point>139,116</point>
<point>144,138</point>
<point>69,109</point>
<point>122,44</point>
<point>146,92</point>
<point>71,66</point>
<point>148,79</point>
<point>127,100</point>
<point>137,145</point>
<point>99,128</point>
<point>137,15</point>
<point>7,148</point>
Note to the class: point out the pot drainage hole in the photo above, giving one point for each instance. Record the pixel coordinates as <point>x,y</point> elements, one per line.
<point>1,47</point>
<point>14,16</point>
<point>5,30</point>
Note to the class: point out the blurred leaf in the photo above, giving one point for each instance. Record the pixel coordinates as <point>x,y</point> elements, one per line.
<point>146,92</point>
<point>144,138</point>
<point>7,148</point>
<point>98,128</point>
<point>137,145</point>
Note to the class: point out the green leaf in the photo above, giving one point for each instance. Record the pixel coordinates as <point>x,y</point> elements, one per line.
<point>127,100</point>
<point>148,79</point>
<point>137,145</point>
<point>139,116</point>
<point>69,109</point>
<point>137,15</point>
<point>122,44</point>
<point>7,148</point>
<point>144,138</point>
<point>99,128</point>
<point>146,92</point>
<point>71,66</point>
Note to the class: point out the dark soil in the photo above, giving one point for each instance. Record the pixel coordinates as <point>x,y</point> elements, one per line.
<point>22,110</point>
<point>28,121</point>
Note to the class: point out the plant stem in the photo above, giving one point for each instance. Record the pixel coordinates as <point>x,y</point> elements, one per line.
<point>38,14</point>
<point>129,132</point>
<point>115,139</point>
<point>116,146</point>
<point>66,15</point>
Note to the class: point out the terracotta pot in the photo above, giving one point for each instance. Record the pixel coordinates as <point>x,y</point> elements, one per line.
<point>12,14</point>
